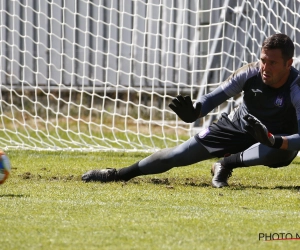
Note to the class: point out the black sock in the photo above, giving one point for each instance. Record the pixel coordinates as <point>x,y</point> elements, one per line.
<point>130,172</point>
<point>232,161</point>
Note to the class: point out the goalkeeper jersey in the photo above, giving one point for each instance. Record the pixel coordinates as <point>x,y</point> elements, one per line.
<point>277,108</point>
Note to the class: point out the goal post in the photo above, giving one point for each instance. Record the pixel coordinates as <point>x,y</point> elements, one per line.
<point>99,74</point>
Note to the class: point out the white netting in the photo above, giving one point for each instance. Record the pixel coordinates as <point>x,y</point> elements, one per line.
<point>99,74</point>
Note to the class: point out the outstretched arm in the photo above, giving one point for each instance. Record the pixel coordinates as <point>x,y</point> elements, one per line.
<point>232,86</point>
<point>189,112</point>
<point>211,100</point>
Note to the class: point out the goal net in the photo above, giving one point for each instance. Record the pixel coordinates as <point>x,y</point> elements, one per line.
<point>99,74</point>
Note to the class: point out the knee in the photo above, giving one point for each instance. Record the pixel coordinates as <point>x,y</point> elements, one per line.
<point>171,158</point>
<point>281,158</point>
<point>165,157</point>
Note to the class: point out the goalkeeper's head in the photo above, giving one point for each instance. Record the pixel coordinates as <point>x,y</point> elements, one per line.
<point>282,42</point>
<point>276,60</point>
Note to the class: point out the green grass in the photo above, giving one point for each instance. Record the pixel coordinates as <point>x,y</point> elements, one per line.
<point>44,205</point>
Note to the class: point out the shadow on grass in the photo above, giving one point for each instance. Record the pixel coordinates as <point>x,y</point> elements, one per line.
<point>168,182</point>
<point>242,187</point>
<point>30,176</point>
<point>171,182</point>
<point>13,195</point>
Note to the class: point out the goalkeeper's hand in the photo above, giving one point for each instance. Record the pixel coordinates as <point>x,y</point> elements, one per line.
<point>260,132</point>
<point>184,108</point>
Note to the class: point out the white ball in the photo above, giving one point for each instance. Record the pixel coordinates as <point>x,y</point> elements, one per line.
<point>5,167</point>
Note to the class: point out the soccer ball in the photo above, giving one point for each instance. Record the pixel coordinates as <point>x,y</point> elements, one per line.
<point>5,167</point>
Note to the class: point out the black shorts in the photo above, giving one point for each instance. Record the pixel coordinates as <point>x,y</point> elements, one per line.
<point>225,137</point>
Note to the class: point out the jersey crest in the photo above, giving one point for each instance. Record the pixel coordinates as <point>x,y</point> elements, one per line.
<point>279,101</point>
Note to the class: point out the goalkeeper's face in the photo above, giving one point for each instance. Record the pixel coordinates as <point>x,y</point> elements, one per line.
<point>273,68</point>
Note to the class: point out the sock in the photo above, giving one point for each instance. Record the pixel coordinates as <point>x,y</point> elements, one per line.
<point>232,161</point>
<point>130,172</point>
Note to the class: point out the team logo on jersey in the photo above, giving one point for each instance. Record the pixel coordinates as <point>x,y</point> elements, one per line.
<point>279,101</point>
<point>256,91</point>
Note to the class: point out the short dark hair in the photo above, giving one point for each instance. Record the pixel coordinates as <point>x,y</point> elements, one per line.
<point>282,42</point>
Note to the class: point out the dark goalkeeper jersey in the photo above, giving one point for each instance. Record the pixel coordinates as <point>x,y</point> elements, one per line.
<point>276,108</point>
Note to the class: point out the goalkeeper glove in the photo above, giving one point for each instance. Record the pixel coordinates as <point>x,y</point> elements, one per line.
<point>184,108</point>
<point>260,132</point>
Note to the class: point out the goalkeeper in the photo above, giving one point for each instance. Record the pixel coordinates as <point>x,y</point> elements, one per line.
<point>263,130</point>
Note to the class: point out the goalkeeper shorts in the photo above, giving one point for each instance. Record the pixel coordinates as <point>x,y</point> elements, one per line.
<point>224,137</point>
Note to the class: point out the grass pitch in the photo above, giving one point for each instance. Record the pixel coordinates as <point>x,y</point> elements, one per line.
<point>44,205</point>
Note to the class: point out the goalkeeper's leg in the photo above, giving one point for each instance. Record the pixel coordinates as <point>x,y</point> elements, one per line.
<point>257,154</point>
<point>161,161</point>
<point>260,154</point>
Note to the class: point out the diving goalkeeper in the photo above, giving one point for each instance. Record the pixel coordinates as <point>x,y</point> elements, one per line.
<point>263,130</point>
